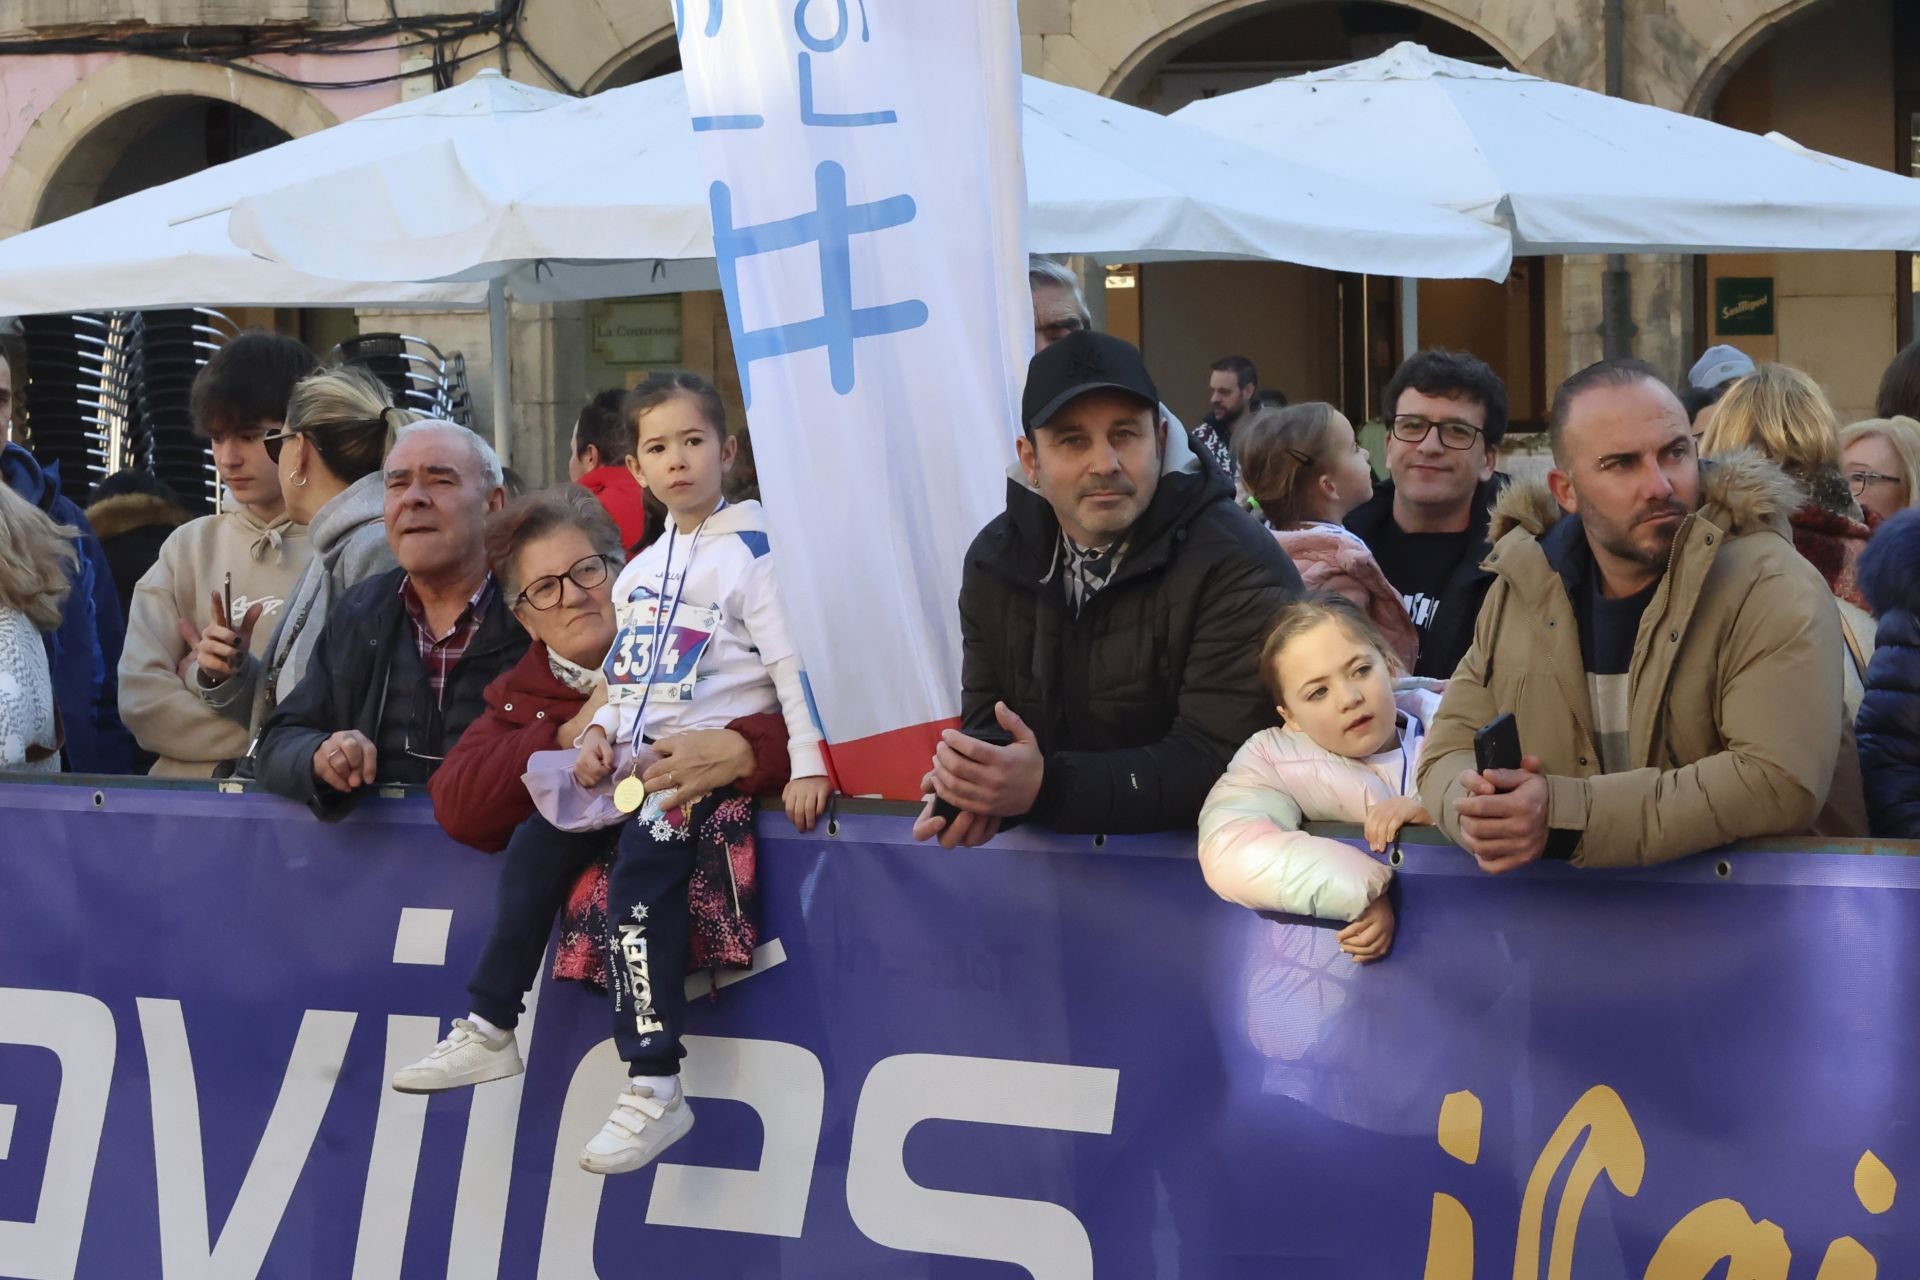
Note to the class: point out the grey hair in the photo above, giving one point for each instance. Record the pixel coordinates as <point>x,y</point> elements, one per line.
<point>1046,272</point>
<point>483,455</point>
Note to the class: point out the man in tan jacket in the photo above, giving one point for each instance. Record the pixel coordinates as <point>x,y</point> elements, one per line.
<point>1674,665</point>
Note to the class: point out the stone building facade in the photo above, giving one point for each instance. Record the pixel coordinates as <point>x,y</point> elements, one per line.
<point>83,121</point>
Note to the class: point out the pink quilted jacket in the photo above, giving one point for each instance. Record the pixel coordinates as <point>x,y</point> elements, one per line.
<point>1331,559</point>
<point>1252,849</point>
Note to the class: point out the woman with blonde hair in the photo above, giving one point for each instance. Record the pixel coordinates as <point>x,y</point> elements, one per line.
<point>1881,460</point>
<point>1783,414</point>
<point>340,424</point>
<point>36,556</point>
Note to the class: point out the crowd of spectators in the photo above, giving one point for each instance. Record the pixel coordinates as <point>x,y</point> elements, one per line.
<point>1701,623</point>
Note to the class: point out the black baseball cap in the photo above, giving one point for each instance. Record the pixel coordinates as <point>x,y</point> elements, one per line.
<point>1079,363</point>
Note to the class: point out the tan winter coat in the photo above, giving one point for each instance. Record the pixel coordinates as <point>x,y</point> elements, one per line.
<point>1735,686</point>
<point>166,715</point>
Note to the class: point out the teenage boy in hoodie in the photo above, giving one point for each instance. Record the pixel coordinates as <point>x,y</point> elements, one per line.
<point>238,398</point>
<point>601,460</point>
<point>84,650</point>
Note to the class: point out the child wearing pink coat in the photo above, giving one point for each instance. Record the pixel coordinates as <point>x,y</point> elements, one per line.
<point>1346,752</point>
<point>1306,469</point>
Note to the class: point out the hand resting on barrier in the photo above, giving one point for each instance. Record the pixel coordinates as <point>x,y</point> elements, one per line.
<point>346,761</point>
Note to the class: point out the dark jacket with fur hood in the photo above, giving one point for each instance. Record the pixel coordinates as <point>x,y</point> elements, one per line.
<point>1889,724</point>
<point>132,527</point>
<point>1735,700</point>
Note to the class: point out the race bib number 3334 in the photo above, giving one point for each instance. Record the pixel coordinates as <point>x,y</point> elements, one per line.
<point>640,645</point>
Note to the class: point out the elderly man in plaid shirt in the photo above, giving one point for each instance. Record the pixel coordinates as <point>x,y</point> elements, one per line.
<point>398,673</point>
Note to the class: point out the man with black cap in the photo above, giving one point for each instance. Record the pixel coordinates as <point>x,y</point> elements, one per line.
<point>1112,617</point>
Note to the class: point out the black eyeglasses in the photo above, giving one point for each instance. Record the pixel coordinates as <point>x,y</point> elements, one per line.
<point>1861,481</point>
<point>1412,428</point>
<point>272,441</point>
<point>545,593</point>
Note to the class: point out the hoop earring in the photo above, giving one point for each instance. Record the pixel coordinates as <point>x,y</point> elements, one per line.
<point>300,480</point>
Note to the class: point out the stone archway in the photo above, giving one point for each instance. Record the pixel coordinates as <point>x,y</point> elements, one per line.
<point>71,146</point>
<point>1718,60</point>
<point>1111,50</point>
<point>587,42</point>
<point>650,56</point>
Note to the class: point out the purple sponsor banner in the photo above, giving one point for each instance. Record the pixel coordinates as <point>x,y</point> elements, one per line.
<point>1039,1057</point>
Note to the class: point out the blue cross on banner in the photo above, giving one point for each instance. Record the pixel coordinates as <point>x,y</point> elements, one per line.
<point>832,225</point>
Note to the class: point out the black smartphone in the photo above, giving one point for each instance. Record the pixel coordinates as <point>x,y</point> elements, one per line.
<point>1497,745</point>
<point>993,737</point>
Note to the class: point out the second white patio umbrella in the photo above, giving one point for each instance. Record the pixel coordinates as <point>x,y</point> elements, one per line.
<point>1563,169</point>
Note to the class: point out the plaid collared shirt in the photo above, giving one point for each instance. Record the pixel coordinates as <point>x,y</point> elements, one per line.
<point>442,654</point>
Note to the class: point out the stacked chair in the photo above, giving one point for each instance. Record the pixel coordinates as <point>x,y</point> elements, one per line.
<point>173,346</point>
<point>415,372</point>
<point>112,390</point>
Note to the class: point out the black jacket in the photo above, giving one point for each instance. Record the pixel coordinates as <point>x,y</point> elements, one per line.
<point>366,674</point>
<point>1450,634</point>
<point>1141,701</point>
<point>1888,727</point>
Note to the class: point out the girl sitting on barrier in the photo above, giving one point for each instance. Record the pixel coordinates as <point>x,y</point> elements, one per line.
<point>702,640</point>
<point>1346,752</point>
<point>1306,469</point>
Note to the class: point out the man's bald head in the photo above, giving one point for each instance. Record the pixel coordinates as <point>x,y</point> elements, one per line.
<point>1606,374</point>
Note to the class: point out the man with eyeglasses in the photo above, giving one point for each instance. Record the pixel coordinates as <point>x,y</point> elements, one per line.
<point>399,672</point>
<point>1446,412</point>
<point>1059,309</point>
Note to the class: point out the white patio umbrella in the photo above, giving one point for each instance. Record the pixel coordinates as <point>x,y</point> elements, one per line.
<point>1563,169</point>
<point>550,201</point>
<point>169,245</point>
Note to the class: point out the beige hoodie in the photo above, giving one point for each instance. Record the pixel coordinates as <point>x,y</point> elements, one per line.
<point>165,716</point>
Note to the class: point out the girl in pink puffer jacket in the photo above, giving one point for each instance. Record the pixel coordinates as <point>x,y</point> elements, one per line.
<point>1346,752</point>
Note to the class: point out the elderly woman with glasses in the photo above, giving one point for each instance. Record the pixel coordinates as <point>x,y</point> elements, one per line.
<point>340,425</point>
<point>555,554</point>
<point>1881,461</point>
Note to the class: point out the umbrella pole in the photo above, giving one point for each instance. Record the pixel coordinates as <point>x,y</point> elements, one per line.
<point>502,364</point>
<point>1409,316</point>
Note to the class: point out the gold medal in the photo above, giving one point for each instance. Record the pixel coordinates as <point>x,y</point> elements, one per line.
<point>630,794</point>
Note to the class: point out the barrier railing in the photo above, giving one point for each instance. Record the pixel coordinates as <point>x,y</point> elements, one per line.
<point>1069,1058</point>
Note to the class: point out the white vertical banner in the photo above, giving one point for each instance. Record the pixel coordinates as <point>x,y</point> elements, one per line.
<point>869,216</point>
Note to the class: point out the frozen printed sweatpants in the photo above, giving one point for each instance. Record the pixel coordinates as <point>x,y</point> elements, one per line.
<point>648,923</point>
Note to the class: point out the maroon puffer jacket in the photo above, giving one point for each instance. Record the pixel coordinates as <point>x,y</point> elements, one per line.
<point>478,797</point>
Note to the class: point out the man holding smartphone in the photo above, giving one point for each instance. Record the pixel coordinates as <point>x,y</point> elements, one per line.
<point>1111,618</point>
<point>1671,663</point>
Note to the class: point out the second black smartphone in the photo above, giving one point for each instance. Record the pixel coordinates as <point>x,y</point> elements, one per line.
<point>993,737</point>
<point>1497,745</point>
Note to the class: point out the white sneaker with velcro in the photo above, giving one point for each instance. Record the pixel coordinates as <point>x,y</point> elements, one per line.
<point>466,1057</point>
<point>640,1128</point>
